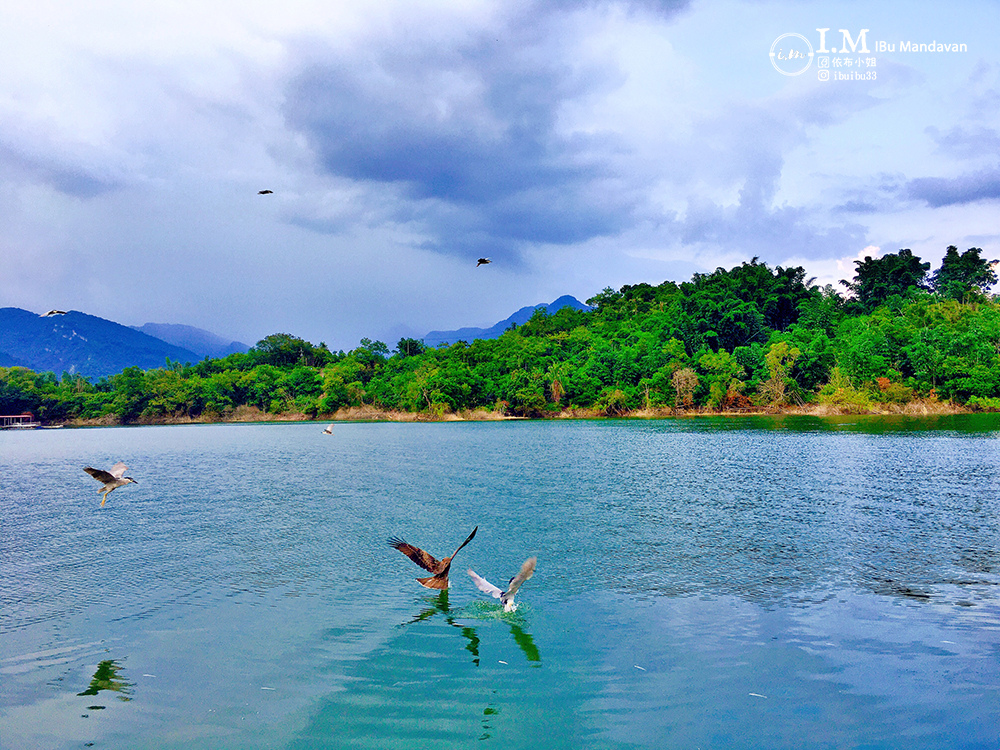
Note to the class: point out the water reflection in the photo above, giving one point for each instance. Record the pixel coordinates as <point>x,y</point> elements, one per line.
<point>868,424</point>
<point>488,713</point>
<point>526,643</point>
<point>106,678</point>
<point>439,605</point>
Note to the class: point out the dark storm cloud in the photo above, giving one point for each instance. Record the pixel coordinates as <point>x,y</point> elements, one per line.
<point>967,188</point>
<point>62,175</point>
<point>966,143</point>
<point>475,126</point>
<point>856,207</point>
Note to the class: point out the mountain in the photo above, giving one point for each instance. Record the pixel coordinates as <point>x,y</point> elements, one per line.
<point>201,342</point>
<point>81,343</point>
<point>522,316</point>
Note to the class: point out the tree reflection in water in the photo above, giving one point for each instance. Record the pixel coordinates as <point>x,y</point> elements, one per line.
<point>106,678</point>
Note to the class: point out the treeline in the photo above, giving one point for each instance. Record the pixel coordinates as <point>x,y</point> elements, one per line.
<point>744,338</point>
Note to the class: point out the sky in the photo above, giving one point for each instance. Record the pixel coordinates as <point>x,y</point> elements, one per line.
<point>579,145</point>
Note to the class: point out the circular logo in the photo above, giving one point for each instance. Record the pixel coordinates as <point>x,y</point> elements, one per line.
<point>791,54</point>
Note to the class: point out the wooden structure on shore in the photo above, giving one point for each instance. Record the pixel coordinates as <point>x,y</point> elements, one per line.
<point>23,421</point>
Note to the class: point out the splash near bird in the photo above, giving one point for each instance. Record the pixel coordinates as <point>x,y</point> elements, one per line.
<point>111,480</point>
<point>507,597</point>
<point>264,192</point>
<point>439,568</point>
<point>483,262</point>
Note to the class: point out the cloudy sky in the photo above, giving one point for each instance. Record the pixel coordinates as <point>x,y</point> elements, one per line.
<point>578,144</point>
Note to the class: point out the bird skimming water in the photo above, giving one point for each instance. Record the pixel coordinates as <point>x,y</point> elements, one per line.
<point>328,430</point>
<point>439,568</point>
<point>111,480</point>
<point>507,597</point>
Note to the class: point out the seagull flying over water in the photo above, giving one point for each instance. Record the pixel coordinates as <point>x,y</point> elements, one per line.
<point>439,568</point>
<point>507,597</point>
<point>111,480</point>
<point>328,430</point>
<point>483,262</point>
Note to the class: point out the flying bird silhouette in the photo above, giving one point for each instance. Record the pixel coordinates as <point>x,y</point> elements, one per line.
<point>439,568</point>
<point>483,262</point>
<point>507,596</point>
<point>111,480</point>
<point>50,313</point>
<point>264,192</point>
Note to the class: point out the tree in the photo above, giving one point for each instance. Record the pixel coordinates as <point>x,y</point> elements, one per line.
<point>779,358</point>
<point>685,381</point>
<point>410,347</point>
<point>285,350</point>
<point>724,374</point>
<point>879,278</point>
<point>961,274</point>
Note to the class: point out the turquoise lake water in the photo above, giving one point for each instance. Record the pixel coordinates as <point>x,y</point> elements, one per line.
<point>701,583</point>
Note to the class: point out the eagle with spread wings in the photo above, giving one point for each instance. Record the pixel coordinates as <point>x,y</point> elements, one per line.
<point>429,563</point>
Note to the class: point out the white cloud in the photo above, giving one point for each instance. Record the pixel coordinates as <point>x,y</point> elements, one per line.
<point>590,143</point>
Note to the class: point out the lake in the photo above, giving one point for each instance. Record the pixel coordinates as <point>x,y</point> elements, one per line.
<point>782,582</point>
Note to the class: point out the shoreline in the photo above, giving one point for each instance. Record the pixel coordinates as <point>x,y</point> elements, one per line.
<point>251,415</point>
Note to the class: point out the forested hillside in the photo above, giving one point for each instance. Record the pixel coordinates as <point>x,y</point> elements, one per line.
<point>750,337</point>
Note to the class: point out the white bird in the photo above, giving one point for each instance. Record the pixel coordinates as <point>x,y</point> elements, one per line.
<point>50,313</point>
<point>507,597</point>
<point>328,430</point>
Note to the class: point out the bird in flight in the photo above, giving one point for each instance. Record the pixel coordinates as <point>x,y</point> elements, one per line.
<point>50,313</point>
<point>439,568</point>
<point>507,596</point>
<point>264,192</point>
<point>111,480</point>
<point>328,430</point>
<point>483,262</point>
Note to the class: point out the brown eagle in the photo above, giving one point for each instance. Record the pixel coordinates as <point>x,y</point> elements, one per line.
<point>439,568</point>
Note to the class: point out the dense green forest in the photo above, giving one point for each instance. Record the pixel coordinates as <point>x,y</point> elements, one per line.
<point>750,337</point>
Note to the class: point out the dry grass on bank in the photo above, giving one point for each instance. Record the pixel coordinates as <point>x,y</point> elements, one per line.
<point>919,408</point>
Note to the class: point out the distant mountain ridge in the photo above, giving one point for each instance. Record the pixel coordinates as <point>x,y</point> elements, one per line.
<point>522,316</point>
<point>198,340</point>
<point>80,343</point>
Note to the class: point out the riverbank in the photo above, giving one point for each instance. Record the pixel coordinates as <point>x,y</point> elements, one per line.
<point>249,414</point>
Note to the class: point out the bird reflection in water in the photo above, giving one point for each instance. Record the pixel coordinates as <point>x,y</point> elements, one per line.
<point>488,713</point>
<point>439,605</point>
<point>106,678</point>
